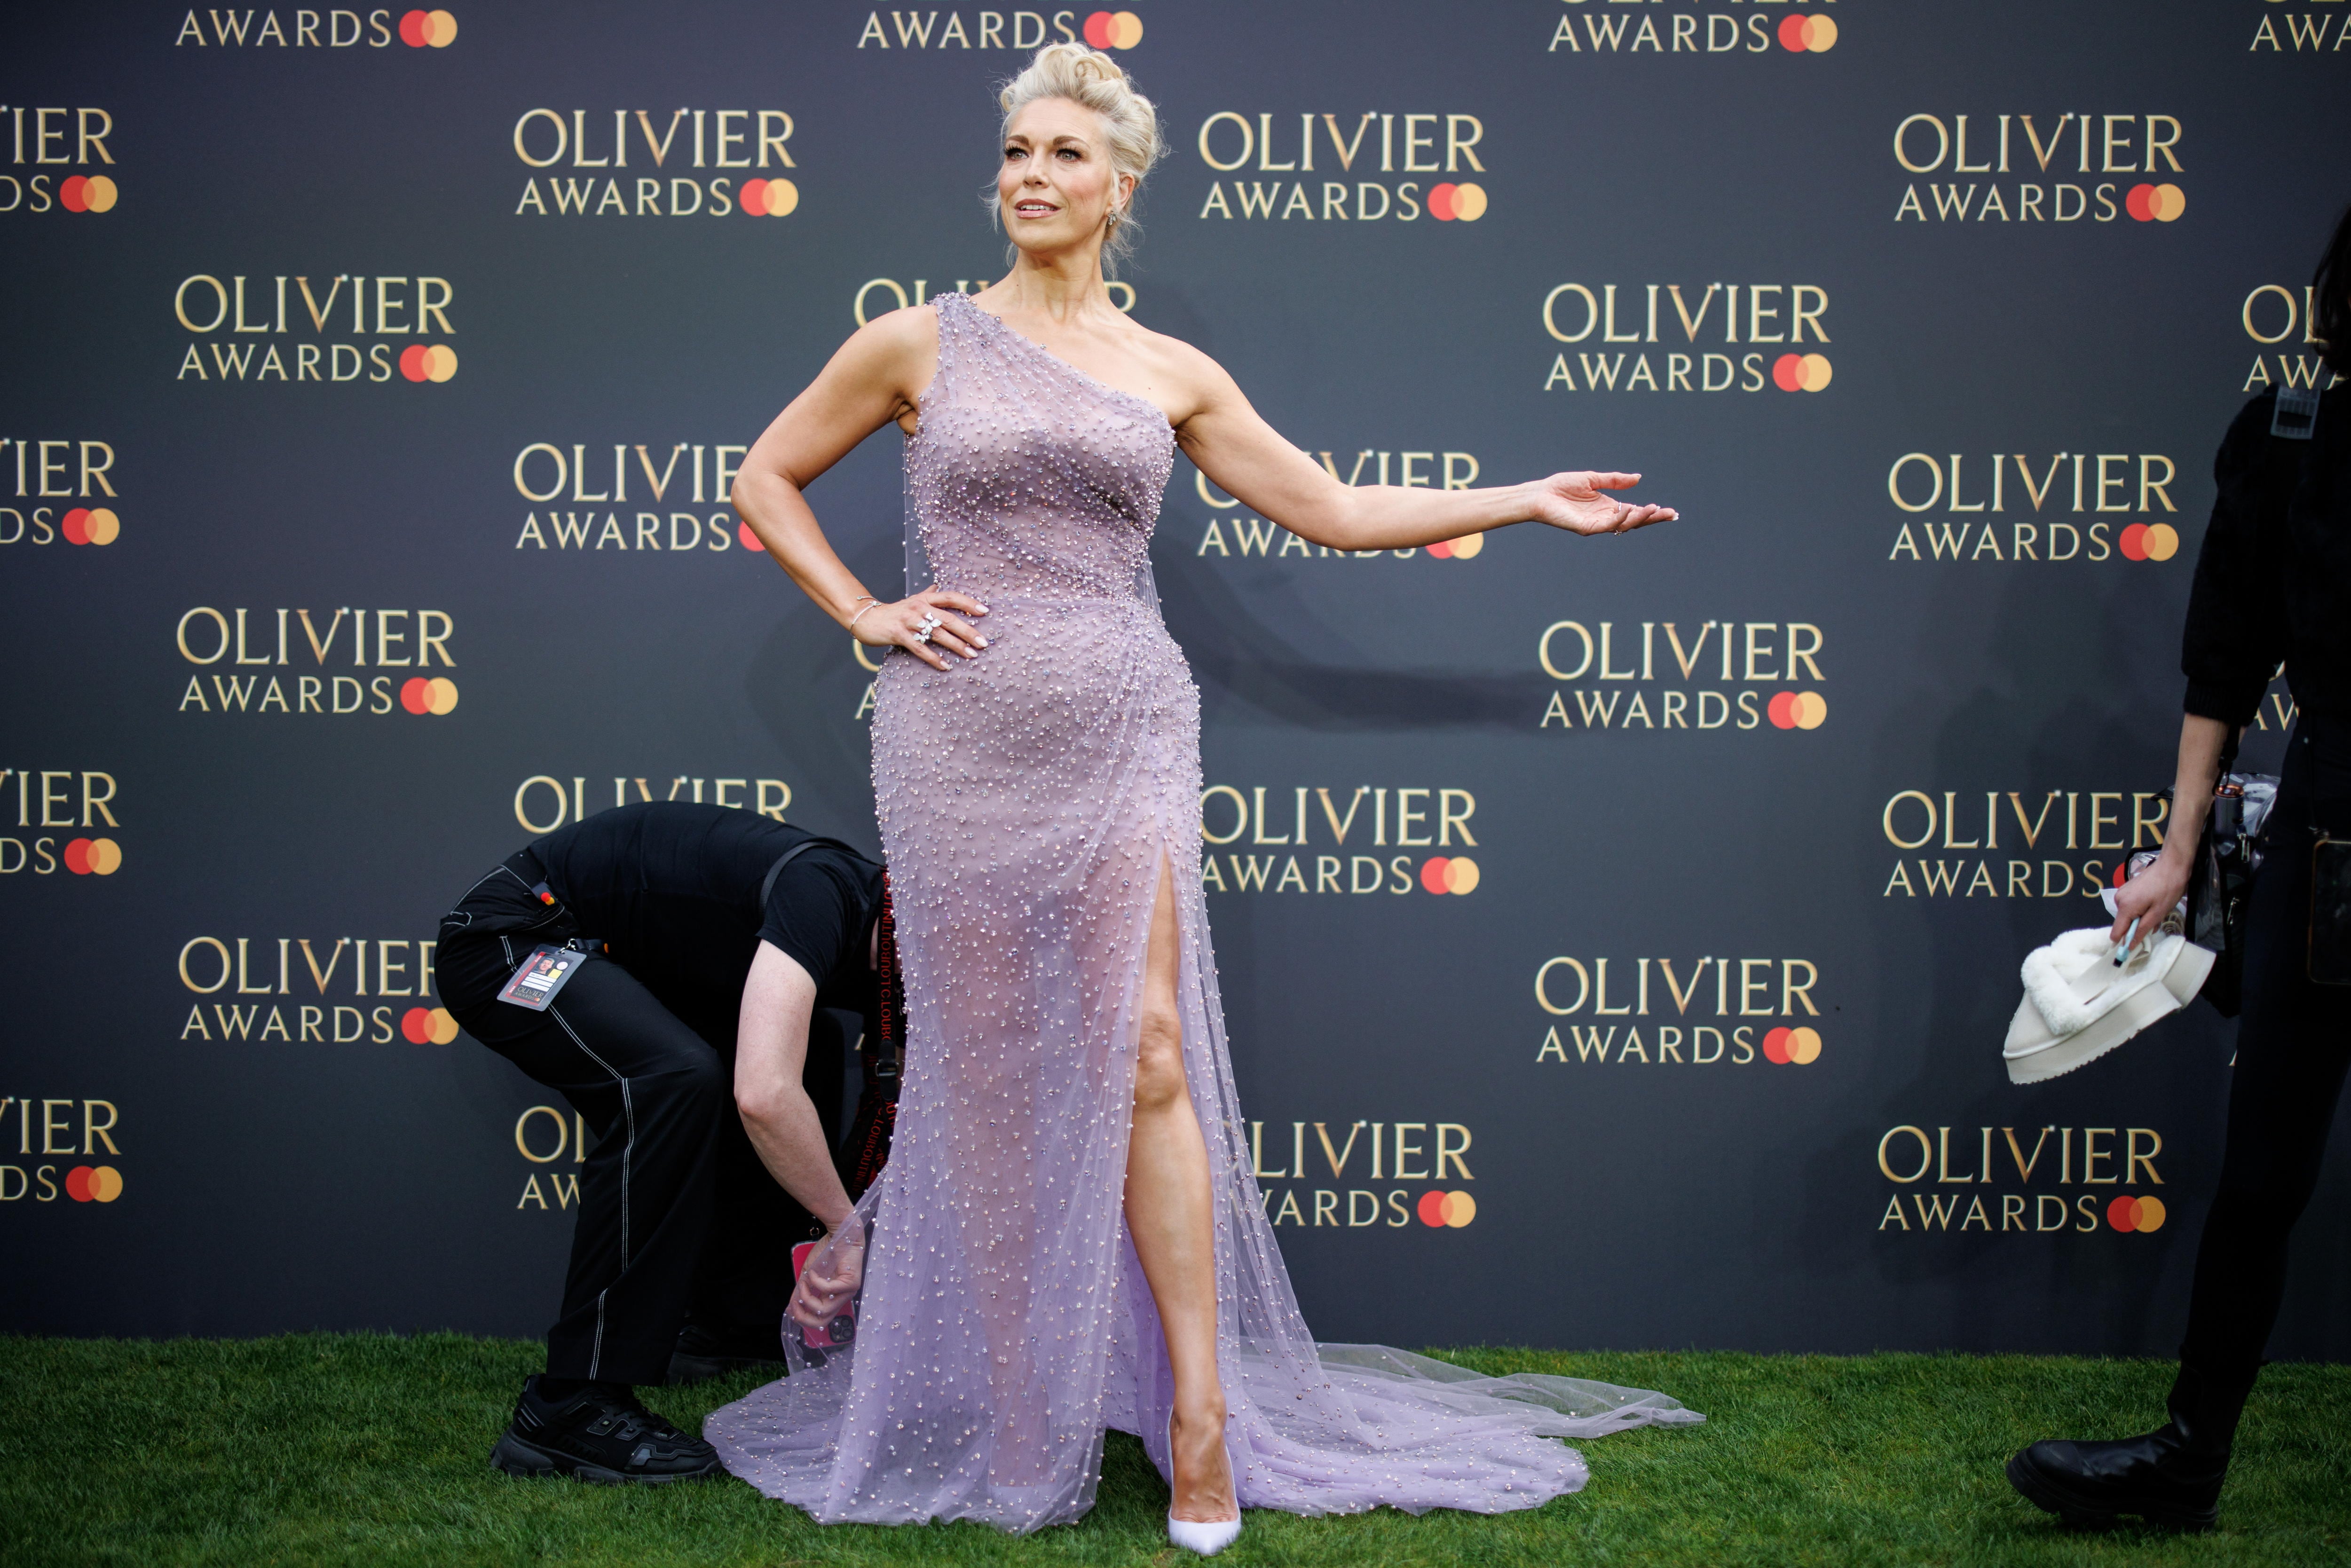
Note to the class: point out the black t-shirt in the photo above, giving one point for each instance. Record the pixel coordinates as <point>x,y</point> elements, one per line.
<point>672,889</point>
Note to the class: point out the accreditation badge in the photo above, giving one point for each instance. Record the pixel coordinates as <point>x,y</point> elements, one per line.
<point>544,973</point>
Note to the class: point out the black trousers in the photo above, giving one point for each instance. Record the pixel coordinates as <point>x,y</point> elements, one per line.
<point>2293,1041</point>
<point>678,1216</point>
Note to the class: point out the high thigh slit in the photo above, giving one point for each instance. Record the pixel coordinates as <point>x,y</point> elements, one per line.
<point>1026,798</point>
<point>1167,1208</point>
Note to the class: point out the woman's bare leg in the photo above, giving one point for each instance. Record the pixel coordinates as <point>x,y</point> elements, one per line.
<point>1168,1213</point>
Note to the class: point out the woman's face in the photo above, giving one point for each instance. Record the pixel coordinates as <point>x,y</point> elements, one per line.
<point>1056,183</point>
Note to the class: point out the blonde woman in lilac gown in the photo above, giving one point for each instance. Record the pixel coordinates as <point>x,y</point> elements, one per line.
<point>1067,1237</point>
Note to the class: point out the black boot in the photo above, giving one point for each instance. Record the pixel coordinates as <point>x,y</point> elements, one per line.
<point>2170,1477</point>
<point>600,1434</point>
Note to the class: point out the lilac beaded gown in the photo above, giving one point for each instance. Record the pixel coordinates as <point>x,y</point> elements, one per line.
<point>1029,800</point>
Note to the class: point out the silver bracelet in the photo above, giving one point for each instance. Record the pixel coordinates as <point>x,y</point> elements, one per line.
<point>853,620</point>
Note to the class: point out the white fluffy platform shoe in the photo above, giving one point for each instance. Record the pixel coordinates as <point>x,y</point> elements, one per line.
<point>2078,1005</point>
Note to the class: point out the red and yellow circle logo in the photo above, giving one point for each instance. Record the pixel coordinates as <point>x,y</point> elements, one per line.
<point>93,1184</point>
<point>1792,1047</point>
<point>1797,710</point>
<point>91,526</point>
<point>2155,203</point>
<point>428,1026</point>
<point>1462,548</point>
<point>428,29</point>
<point>1443,1209</point>
<point>2127,1213</point>
<point>1114,29</point>
<point>2148,542</point>
<point>1466,202</point>
<point>768,198</point>
<point>1808,35</point>
<point>93,857</point>
<point>1456,875</point>
<point>436,696</point>
<point>86,193</point>
<point>435,364</point>
<point>1802,372</point>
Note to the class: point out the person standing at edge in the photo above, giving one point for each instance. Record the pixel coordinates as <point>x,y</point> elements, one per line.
<point>1067,1236</point>
<point>698,943</point>
<point>2272,584</point>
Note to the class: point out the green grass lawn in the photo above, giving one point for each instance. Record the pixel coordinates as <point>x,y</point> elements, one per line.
<point>370,1450</point>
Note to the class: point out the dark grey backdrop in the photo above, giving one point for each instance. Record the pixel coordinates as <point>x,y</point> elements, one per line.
<point>273,1183</point>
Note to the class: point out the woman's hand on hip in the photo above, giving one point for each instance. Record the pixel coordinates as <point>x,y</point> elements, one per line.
<point>925,624</point>
<point>1575,502</point>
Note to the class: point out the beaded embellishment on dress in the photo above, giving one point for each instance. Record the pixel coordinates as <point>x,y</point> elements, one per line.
<point>1026,799</point>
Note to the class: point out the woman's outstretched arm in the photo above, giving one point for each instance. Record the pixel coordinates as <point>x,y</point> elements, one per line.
<point>1247,459</point>
<point>873,379</point>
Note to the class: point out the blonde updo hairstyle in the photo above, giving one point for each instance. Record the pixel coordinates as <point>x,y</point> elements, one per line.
<point>1088,77</point>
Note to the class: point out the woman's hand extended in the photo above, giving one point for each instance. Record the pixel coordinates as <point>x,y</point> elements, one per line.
<point>900,625</point>
<point>1575,502</point>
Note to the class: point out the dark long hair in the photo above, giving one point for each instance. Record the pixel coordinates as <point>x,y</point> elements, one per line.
<point>2330,303</point>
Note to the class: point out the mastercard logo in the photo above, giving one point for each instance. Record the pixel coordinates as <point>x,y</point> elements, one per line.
<point>428,1026</point>
<point>1449,201</point>
<point>1456,875</point>
<point>1114,29</point>
<point>1802,372</point>
<point>768,198</point>
<point>1798,710</point>
<point>90,194</point>
<point>1455,1210</point>
<point>93,1184</point>
<point>2154,204</point>
<point>93,857</point>
<point>1808,35</point>
<point>2127,1213</point>
<point>1461,549</point>
<point>91,526</point>
<point>428,29</point>
<point>436,363</point>
<point>2148,542</point>
<point>436,696</point>
<point>1792,1047</point>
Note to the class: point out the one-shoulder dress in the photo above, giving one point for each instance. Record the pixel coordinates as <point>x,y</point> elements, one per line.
<point>1027,801</point>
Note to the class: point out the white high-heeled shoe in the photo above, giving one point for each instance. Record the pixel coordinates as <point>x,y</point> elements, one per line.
<point>1207,1537</point>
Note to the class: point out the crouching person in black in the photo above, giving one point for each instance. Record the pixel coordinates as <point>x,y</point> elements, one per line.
<point>693,951</point>
<point>2272,585</point>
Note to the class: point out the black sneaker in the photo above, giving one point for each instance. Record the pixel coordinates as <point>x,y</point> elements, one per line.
<point>704,1352</point>
<point>598,1436</point>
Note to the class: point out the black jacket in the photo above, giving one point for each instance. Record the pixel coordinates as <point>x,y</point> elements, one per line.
<point>2273,579</point>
